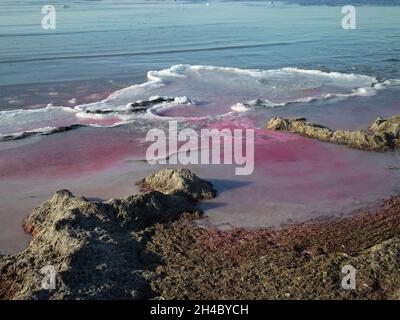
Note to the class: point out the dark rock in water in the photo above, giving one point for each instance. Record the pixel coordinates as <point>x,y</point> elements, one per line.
<point>95,248</point>
<point>141,106</point>
<point>181,182</point>
<point>100,111</point>
<point>26,134</point>
<point>137,106</point>
<point>383,137</point>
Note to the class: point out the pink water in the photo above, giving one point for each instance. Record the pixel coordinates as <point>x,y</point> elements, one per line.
<point>295,178</point>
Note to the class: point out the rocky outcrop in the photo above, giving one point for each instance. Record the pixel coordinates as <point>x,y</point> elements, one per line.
<point>181,182</point>
<point>96,249</point>
<point>390,126</point>
<point>383,135</point>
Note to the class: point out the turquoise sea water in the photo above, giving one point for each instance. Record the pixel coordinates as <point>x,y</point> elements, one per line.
<point>123,39</point>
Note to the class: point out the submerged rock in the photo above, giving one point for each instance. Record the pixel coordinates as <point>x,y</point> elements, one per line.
<point>384,134</point>
<point>134,107</point>
<point>180,182</point>
<point>44,132</point>
<point>141,106</point>
<point>95,248</point>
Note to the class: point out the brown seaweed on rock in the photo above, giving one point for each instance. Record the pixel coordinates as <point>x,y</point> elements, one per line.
<point>96,248</point>
<point>302,261</point>
<point>383,135</point>
<point>179,182</point>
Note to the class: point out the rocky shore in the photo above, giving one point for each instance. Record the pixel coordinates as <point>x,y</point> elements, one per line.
<point>97,249</point>
<point>147,246</point>
<point>297,262</point>
<point>383,135</point>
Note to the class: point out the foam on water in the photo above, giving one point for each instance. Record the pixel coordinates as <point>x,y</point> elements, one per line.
<point>194,91</point>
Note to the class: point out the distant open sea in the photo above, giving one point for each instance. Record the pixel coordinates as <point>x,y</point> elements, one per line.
<point>104,45</point>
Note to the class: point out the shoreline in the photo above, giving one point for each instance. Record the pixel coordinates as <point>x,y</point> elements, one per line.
<point>302,261</point>
<point>177,259</point>
<point>103,163</point>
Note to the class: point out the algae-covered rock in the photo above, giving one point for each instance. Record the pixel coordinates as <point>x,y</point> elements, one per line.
<point>142,209</point>
<point>94,248</point>
<point>179,182</point>
<point>363,140</point>
<point>300,126</point>
<point>390,126</point>
<point>83,244</point>
<point>382,137</point>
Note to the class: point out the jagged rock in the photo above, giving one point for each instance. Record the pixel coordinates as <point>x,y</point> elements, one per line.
<point>392,126</point>
<point>378,140</point>
<point>180,182</point>
<point>143,209</point>
<point>93,247</point>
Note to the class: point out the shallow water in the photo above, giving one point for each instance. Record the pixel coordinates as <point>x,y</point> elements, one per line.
<point>295,178</point>
<point>104,46</point>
